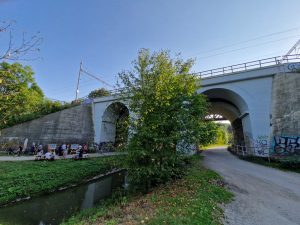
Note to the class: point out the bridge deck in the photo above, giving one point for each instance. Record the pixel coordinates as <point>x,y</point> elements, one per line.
<point>243,67</point>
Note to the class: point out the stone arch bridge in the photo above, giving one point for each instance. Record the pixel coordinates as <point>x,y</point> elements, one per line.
<point>261,99</point>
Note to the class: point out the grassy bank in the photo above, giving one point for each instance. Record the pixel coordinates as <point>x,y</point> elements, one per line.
<point>30,178</point>
<point>194,199</point>
<point>286,164</point>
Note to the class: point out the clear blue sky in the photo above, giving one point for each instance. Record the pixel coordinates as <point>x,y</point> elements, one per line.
<point>107,34</point>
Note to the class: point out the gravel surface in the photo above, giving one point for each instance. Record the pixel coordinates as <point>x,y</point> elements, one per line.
<point>263,195</point>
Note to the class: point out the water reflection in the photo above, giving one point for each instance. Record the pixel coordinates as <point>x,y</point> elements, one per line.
<point>52,209</point>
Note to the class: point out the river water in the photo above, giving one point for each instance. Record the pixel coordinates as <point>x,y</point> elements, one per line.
<point>53,208</point>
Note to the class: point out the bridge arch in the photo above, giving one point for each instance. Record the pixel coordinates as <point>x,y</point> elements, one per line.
<point>233,107</point>
<point>114,126</point>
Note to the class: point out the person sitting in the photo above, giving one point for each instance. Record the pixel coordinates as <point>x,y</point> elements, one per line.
<point>39,155</point>
<point>32,150</point>
<point>59,150</point>
<point>49,156</point>
<point>64,151</point>
<point>85,156</point>
<point>10,151</point>
<point>79,153</point>
<point>85,149</point>
<point>20,150</point>
<point>40,148</point>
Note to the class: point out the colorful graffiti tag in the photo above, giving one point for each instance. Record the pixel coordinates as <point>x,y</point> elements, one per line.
<point>262,145</point>
<point>286,145</point>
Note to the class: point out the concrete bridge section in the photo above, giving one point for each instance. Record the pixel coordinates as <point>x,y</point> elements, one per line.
<point>261,99</point>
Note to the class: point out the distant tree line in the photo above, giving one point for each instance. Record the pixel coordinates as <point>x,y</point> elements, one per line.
<point>21,99</point>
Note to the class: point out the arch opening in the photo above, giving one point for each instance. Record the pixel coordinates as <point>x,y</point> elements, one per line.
<point>233,109</point>
<point>114,126</point>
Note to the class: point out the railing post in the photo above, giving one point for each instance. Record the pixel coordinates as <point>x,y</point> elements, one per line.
<point>245,66</point>
<point>231,69</point>
<point>259,63</point>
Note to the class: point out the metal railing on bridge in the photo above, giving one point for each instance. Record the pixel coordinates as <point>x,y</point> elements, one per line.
<point>257,64</point>
<point>242,150</point>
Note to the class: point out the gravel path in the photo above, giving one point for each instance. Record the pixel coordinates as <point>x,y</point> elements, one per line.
<point>263,195</point>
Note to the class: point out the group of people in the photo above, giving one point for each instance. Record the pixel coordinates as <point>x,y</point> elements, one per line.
<point>38,151</point>
<point>18,151</point>
<point>78,152</point>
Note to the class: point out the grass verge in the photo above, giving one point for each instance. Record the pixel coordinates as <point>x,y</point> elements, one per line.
<point>31,178</point>
<point>194,199</point>
<point>287,164</point>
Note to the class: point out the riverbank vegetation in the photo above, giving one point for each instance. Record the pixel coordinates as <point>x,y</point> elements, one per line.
<point>168,123</point>
<point>21,179</point>
<point>170,117</point>
<point>194,199</point>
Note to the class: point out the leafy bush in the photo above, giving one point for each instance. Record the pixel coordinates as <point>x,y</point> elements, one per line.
<point>101,92</point>
<point>169,117</point>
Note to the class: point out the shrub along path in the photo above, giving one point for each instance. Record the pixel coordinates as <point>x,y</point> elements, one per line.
<point>30,178</point>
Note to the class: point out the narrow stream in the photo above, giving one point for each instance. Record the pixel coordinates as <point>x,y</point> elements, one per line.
<point>52,209</point>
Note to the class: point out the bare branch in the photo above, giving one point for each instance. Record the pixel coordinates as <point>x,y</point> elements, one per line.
<point>26,46</point>
<point>5,25</point>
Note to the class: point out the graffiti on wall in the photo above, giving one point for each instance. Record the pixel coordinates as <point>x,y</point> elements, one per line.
<point>259,145</point>
<point>278,145</point>
<point>262,144</point>
<point>286,145</point>
<point>293,67</point>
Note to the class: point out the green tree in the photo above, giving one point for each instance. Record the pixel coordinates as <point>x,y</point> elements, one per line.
<point>167,113</point>
<point>221,135</point>
<point>99,93</point>
<point>19,94</point>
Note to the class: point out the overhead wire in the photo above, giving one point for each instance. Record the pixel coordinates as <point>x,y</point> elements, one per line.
<point>90,75</point>
<point>96,77</point>
<point>250,40</point>
<point>234,50</point>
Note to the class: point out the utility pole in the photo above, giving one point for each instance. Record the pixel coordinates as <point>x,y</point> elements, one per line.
<point>295,48</point>
<point>77,88</point>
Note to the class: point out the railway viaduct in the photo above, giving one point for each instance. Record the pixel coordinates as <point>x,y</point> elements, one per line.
<point>261,99</point>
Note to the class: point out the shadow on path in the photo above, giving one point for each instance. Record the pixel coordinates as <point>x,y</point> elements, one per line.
<point>263,195</point>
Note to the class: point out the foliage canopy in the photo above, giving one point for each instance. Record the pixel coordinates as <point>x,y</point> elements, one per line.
<point>21,99</point>
<point>18,91</point>
<point>168,116</point>
<point>101,92</point>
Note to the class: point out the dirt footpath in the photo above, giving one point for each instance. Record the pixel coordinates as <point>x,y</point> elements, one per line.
<point>263,195</point>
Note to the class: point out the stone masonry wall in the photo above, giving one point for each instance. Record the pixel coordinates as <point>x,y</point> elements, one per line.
<point>286,105</point>
<point>73,125</point>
